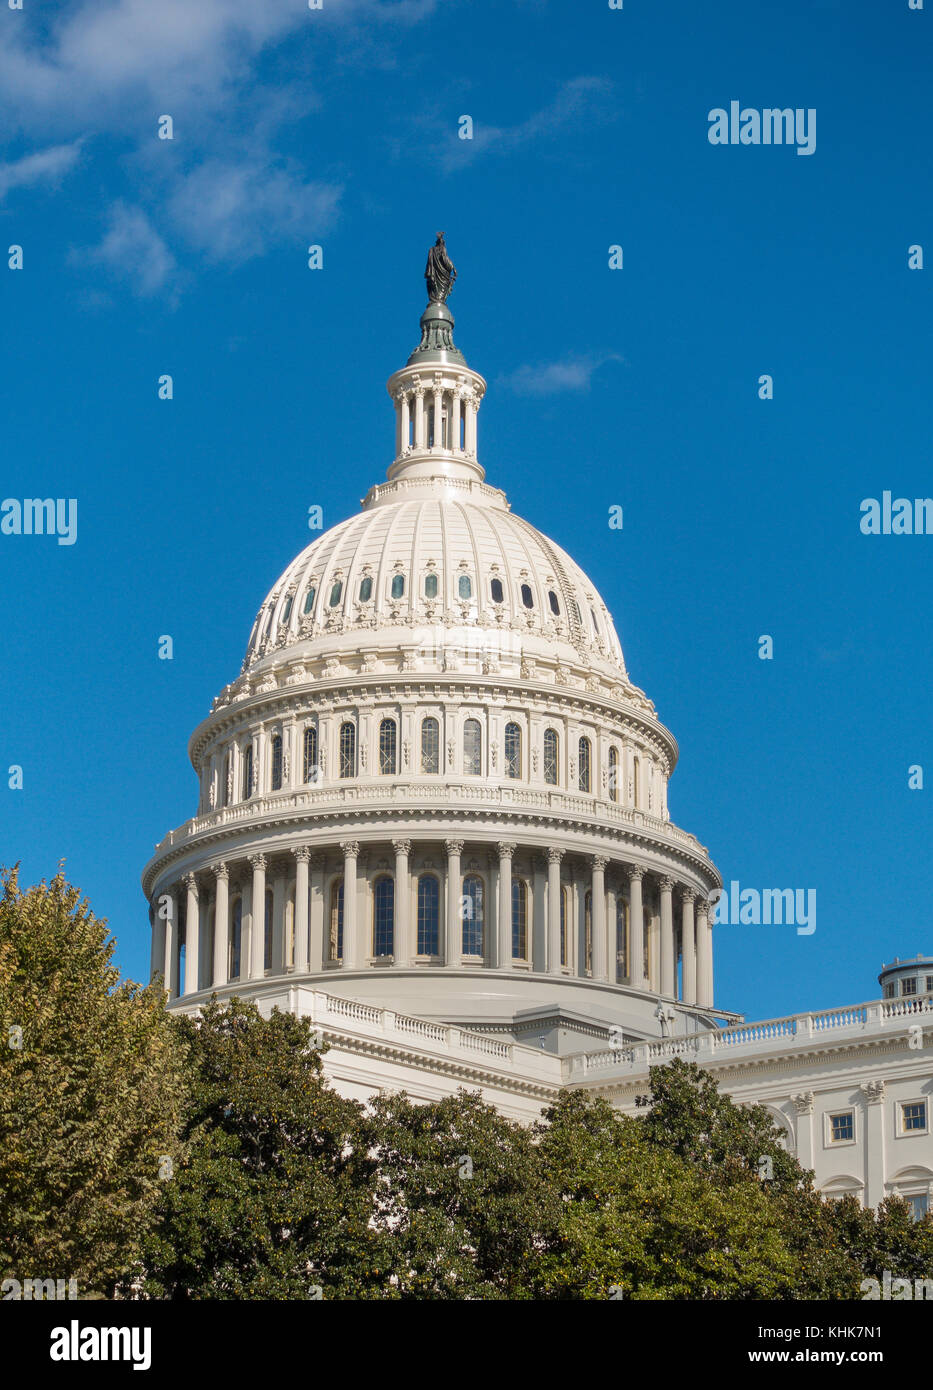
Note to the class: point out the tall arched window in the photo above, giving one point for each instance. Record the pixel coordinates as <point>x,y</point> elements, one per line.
<point>348,750</point>
<point>383,916</point>
<point>276,775</point>
<point>429,898</point>
<point>309,599</point>
<point>398,585</point>
<point>519,919</point>
<point>527,596</point>
<point>310,768</point>
<point>585,757</point>
<point>637,782</point>
<point>430,745</point>
<point>465,586</point>
<point>286,610</point>
<point>621,939</point>
<point>588,930</point>
<point>495,589</point>
<point>366,589</point>
<point>473,915</point>
<point>552,600</point>
<point>336,920</point>
<point>247,772</point>
<point>336,593</point>
<point>564,894</point>
<point>225,780</point>
<point>387,753</point>
<point>551,749</point>
<point>236,937</point>
<point>513,750</point>
<point>430,586</point>
<point>267,931</point>
<point>472,748</point>
<point>613,775</point>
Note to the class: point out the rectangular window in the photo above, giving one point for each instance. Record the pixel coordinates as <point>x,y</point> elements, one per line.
<point>918,1206</point>
<point>908,986</point>
<point>841,1128</point>
<point>914,1117</point>
<point>889,990</point>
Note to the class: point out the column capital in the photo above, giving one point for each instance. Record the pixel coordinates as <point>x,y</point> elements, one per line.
<point>666,883</point>
<point>350,848</point>
<point>554,856</point>
<point>258,861</point>
<point>454,847</point>
<point>221,870</point>
<point>688,895</point>
<point>635,871</point>
<point>702,905</point>
<point>599,862</point>
<point>803,1102</point>
<point>402,847</point>
<point>506,849</point>
<point>302,852</point>
<point>873,1091</point>
<point>191,883</point>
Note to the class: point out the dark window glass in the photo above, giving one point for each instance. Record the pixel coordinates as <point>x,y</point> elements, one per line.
<point>472,748</point>
<point>473,915</point>
<point>519,918</point>
<point>310,771</point>
<point>495,588</point>
<point>584,769</point>
<point>613,775</point>
<point>430,586</point>
<point>513,750</point>
<point>287,610</point>
<point>276,778</point>
<point>552,600</point>
<point>550,757</point>
<point>428,915</point>
<point>335,593</point>
<point>309,600</point>
<point>383,917</point>
<point>235,939</point>
<point>430,746</point>
<point>336,921</point>
<point>398,585</point>
<point>387,747</point>
<point>347,750</point>
<point>366,590</point>
<point>527,596</point>
<point>247,772</point>
<point>465,586</point>
<point>267,932</point>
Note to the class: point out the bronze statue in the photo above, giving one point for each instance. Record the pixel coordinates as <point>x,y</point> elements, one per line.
<point>439,272</point>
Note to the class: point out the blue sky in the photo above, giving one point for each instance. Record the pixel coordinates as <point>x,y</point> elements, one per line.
<point>637,387</point>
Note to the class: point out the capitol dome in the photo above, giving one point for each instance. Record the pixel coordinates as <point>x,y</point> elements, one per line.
<point>432,785</point>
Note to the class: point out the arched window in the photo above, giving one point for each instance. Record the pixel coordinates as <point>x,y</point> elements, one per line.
<point>465,586</point>
<point>267,931</point>
<point>276,777</point>
<point>552,600</point>
<point>383,916</point>
<point>430,745</point>
<point>310,769</point>
<point>348,750</point>
<point>366,589</point>
<point>551,748</point>
<point>336,920</point>
<point>225,782</point>
<point>519,919</point>
<point>613,775</point>
<point>247,772</point>
<point>621,938</point>
<point>585,777</point>
<point>236,937</point>
<point>429,897</point>
<point>472,748</point>
<point>336,591</point>
<point>287,610</point>
<point>595,623</point>
<point>473,915</point>
<point>527,596</point>
<point>309,599</point>
<point>430,586</point>
<point>588,930</point>
<point>398,585</point>
<point>563,926</point>
<point>495,588</point>
<point>513,750</point>
<point>387,748</point>
<point>637,781</point>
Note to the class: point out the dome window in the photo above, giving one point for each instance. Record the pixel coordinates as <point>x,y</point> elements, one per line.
<point>276,762</point>
<point>513,750</point>
<point>519,919</point>
<point>247,772</point>
<point>430,586</point>
<point>366,590</point>
<point>287,610</point>
<point>310,764</point>
<point>555,606</point>
<point>387,745</point>
<point>495,588</point>
<point>430,745</point>
<point>472,900</point>
<point>595,623</point>
<point>309,599</point>
<point>383,916</point>
<point>429,915</point>
<point>465,586</point>
<point>347,750</point>
<point>336,921</point>
<point>585,761</point>
<point>550,757</point>
<point>528,598</point>
<point>472,748</point>
<point>336,591</point>
<point>398,585</point>
<point>613,775</point>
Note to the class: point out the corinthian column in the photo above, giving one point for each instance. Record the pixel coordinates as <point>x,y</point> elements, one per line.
<point>636,928</point>
<point>598,890</point>
<point>351,947</point>
<point>688,932</point>
<point>191,935</point>
<point>506,850</point>
<point>704,956</point>
<point>302,856</point>
<point>454,918</point>
<point>554,856</point>
<point>257,932</point>
<point>667,938</point>
<point>402,902</point>
<point>221,924</point>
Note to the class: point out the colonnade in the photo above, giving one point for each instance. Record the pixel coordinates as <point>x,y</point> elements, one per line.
<point>360,905</point>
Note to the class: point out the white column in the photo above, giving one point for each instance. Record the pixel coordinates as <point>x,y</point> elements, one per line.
<point>278,924</point>
<point>419,418</point>
<point>456,403</point>
<point>351,956</point>
<point>403,943</point>
<point>612,936</point>
<point>704,956</point>
<point>438,419</point>
<point>221,924</point>
<point>667,938</point>
<point>318,923</point>
<point>405,428</point>
<point>257,927</point>
<point>470,430</point>
<point>636,928</point>
<point>874,1141</point>
<point>598,890</point>
<point>554,856</point>
<point>506,850</point>
<point>688,934</point>
<point>454,917</point>
<point>302,956</point>
<point>803,1104</point>
<point>538,917</point>
<point>192,935</point>
<point>170,963</point>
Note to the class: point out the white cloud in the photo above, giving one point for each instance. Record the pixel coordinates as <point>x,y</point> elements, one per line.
<point>581,99</point>
<point>45,166</point>
<point>133,249</point>
<point>574,373</point>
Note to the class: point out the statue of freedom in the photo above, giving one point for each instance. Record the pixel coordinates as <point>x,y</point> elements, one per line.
<point>439,272</point>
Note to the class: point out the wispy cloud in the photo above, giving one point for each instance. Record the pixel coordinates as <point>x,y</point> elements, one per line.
<point>133,250</point>
<point>573,373</point>
<point>45,166</point>
<point>581,101</point>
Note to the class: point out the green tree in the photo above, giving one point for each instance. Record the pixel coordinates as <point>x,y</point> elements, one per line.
<point>89,1092</point>
<point>273,1193</point>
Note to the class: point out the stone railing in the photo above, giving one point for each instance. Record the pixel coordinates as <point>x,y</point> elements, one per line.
<point>744,1039</point>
